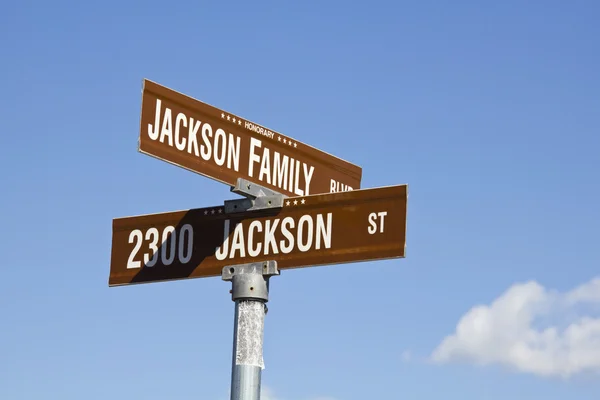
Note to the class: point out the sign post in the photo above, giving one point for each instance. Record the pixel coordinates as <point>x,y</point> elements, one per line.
<point>250,292</point>
<point>301,207</point>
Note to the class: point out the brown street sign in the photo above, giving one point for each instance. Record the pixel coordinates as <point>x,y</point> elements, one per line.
<point>222,146</point>
<point>334,228</point>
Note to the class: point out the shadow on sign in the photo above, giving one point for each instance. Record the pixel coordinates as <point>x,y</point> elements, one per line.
<point>172,260</point>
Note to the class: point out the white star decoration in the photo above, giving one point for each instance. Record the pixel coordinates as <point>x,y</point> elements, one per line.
<point>231,118</point>
<point>213,211</point>
<point>295,202</point>
<point>289,142</point>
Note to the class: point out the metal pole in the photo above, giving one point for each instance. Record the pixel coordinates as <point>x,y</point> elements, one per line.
<point>250,292</point>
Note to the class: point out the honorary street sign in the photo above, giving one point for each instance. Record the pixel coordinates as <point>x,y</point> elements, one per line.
<point>222,146</point>
<point>321,229</point>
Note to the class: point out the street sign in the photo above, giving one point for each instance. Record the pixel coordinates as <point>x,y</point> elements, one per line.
<point>333,228</point>
<point>223,146</point>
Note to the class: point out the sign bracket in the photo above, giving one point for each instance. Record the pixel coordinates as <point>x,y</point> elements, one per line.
<point>257,197</point>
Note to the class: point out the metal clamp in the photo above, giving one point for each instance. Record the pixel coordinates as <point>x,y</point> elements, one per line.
<point>257,197</point>
<point>250,281</point>
<point>251,190</point>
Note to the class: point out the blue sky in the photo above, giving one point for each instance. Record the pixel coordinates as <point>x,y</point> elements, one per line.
<point>488,111</point>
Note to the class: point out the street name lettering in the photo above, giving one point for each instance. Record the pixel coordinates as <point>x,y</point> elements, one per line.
<point>219,145</point>
<point>222,148</point>
<point>309,235</point>
<point>321,229</point>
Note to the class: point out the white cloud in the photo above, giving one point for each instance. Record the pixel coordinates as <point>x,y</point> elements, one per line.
<point>589,292</point>
<point>505,332</point>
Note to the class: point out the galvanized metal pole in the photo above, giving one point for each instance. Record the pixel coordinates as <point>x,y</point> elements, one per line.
<point>250,292</point>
